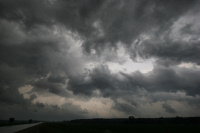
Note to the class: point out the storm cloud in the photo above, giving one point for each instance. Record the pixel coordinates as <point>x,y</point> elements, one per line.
<point>68,59</point>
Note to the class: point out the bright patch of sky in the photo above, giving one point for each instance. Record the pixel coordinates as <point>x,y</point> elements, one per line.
<point>128,65</point>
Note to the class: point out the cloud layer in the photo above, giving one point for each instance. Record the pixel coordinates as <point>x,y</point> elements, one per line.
<point>94,58</point>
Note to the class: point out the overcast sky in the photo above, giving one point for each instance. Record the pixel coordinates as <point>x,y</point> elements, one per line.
<point>70,59</point>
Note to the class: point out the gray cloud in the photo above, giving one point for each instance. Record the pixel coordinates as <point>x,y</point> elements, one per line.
<point>63,49</point>
<point>168,108</point>
<point>125,108</point>
<point>125,21</point>
<point>177,52</point>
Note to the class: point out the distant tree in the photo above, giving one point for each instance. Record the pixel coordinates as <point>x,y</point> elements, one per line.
<point>30,121</point>
<point>11,120</point>
<point>131,118</point>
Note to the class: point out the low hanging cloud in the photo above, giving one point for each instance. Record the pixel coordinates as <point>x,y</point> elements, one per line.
<point>97,58</point>
<point>168,108</point>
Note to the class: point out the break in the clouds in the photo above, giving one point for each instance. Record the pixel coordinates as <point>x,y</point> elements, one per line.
<point>67,59</point>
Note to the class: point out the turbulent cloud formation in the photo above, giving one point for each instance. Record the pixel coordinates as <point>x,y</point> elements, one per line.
<point>68,59</point>
<point>168,108</point>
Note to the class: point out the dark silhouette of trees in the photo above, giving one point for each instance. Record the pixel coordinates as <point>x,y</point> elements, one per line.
<point>11,120</point>
<point>30,121</point>
<point>131,118</point>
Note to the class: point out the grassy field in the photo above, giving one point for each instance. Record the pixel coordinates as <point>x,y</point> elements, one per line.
<point>113,128</point>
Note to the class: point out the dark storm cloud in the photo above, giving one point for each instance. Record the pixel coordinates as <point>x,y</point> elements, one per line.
<point>57,79</point>
<point>39,112</point>
<point>168,108</point>
<point>125,21</point>
<point>167,79</point>
<point>100,78</point>
<point>75,15</point>
<point>161,79</point>
<point>167,50</point>
<point>11,79</point>
<point>32,54</point>
<point>54,84</point>
<point>124,107</point>
<point>24,56</point>
<point>44,85</point>
<point>120,21</point>
<point>40,105</point>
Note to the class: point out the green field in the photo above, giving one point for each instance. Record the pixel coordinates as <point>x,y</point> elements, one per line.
<point>115,128</point>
